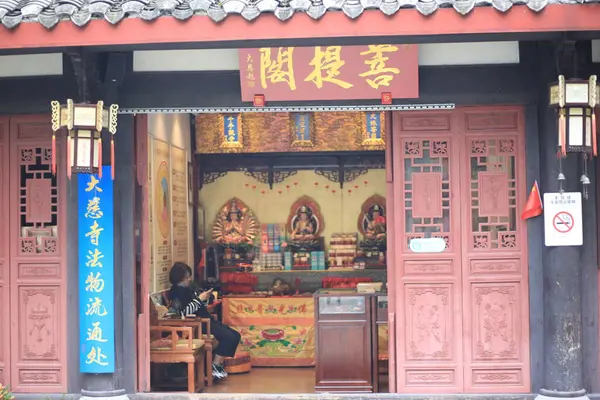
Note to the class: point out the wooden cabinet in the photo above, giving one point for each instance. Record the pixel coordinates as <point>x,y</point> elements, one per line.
<point>344,354</point>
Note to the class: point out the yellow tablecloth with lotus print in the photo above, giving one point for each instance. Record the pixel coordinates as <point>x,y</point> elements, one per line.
<point>276,331</point>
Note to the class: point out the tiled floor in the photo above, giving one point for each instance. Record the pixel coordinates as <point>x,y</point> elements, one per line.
<point>268,380</point>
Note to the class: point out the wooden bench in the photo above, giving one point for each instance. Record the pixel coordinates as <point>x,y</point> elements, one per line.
<point>159,306</point>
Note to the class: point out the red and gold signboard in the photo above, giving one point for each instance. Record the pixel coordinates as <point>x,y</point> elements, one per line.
<point>330,72</point>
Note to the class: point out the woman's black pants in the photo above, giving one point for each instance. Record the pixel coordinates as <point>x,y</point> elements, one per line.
<point>228,338</point>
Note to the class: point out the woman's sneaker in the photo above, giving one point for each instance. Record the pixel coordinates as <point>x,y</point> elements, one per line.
<point>216,372</point>
<point>222,370</point>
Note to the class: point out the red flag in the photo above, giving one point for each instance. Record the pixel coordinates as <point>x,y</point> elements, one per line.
<point>534,206</point>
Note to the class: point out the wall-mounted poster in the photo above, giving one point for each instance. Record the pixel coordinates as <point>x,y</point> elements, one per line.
<point>162,203</point>
<point>151,214</point>
<point>180,205</point>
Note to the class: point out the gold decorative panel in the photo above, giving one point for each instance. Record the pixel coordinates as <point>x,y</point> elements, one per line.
<point>274,132</point>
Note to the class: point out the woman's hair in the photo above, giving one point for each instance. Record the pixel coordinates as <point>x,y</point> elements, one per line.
<point>179,272</point>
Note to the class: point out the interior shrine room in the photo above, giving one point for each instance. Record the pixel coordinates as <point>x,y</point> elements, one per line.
<point>285,220</point>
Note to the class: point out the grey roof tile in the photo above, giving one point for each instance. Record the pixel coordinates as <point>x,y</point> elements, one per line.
<point>80,12</point>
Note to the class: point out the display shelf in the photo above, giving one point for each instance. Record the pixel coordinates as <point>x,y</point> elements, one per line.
<point>300,271</point>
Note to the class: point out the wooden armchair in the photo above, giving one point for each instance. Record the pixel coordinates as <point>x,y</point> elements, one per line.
<point>200,325</point>
<point>170,347</point>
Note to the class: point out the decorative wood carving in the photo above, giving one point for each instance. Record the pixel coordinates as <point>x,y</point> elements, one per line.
<point>37,266</point>
<point>366,212</point>
<point>430,320</point>
<point>308,205</point>
<point>478,155</point>
<point>427,194</point>
<point>429,122</point>
<point>273,132</point>
<point>423,378</point>
<point>427,191</point>
<point>494,202</point>
<point>496,321</point>
<point>428,267</point>
<point>501,120</point>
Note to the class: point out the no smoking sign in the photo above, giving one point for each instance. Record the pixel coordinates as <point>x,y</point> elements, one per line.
<point>563,219</point>
<point>563,222</point>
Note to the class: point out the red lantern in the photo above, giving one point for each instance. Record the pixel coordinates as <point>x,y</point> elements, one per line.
<point>280,191</point>
<point>253,187</point>
<point>365,182</point>
<point>355,186</point>
<point>287,187</point>
<point>316,184</point>
<point>333,192</point>
<point>349,192</point>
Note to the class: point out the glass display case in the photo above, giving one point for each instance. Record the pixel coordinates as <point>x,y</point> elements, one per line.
<point>342,305</point>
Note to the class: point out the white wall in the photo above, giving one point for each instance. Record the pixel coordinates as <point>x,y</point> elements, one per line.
<point>175,130</point>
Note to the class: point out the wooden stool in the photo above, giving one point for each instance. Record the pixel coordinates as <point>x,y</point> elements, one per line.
<point>240,364</point>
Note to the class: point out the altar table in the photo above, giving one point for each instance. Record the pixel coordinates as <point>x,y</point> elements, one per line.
<point>276,331</point>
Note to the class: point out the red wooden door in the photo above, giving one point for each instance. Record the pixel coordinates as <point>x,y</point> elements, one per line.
<point>34,224</point>
<point>463,314</point>
<point>4,254</point>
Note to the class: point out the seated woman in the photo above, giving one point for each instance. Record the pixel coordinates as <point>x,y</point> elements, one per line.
<point>188,302</point>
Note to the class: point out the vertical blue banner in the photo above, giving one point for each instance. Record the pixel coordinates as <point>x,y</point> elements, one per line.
<point>373,125</point>
<point>96,273</point>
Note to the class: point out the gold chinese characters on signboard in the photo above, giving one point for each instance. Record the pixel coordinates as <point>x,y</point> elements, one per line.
<point>231,135</point>
<point>329,72</point>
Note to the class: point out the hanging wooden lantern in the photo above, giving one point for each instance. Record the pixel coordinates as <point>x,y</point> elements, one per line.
<point>575,100</point>
<point>84,124</point>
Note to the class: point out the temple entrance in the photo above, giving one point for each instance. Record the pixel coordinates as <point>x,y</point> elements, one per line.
<point>463,312</point>
<point>32,259</point>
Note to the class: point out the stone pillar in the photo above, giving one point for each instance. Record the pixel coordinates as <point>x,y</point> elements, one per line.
<point>562,266</point>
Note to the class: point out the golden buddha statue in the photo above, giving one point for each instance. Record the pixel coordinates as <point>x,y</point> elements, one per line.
<point>303,225</point>
<point>375,224</point>
<point>235,224</point>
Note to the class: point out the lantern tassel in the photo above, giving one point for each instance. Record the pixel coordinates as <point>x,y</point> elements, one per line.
<point>594,141</point>
<point>562,123</point>
<point>53,153</point>
<point>112,158</point>
<point>100,158</point>
<point>69,156</point>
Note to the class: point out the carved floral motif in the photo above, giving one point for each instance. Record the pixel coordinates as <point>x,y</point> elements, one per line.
<point>428,329</point>
<point>412,148</point>
<point>495,320</point>
<point>38,322</point>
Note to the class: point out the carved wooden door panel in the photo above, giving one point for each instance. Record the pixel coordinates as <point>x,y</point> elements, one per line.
<point>495,267</point>
<point>4,257</point>
<point>37,260</point>
<point>429,303</point>
<point>463,313</point>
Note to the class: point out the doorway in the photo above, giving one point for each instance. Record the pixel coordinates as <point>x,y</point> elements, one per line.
<point>32,259</point>
<point>464,312</point>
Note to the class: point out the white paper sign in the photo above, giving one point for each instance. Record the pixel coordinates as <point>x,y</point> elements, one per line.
<point>427,245</point>
<point>563,222</point>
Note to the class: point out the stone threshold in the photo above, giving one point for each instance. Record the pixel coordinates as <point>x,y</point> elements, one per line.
<point>312,396</point>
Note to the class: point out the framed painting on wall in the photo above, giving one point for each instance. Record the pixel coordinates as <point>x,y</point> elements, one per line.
<point>201,224</point>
